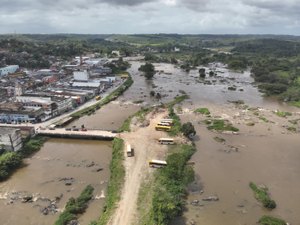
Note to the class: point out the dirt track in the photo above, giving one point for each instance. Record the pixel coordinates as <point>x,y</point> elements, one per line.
<point>146,147</point>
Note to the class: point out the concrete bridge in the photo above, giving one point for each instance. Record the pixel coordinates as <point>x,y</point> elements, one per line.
<point>87,134</point>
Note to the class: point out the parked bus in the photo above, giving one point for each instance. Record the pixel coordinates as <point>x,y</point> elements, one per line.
<point>169,121</point>
<point>163,124</point>
<point>163,128</point>
<point>166,141</point>
<point>157,163</point>
<point>129,151</point>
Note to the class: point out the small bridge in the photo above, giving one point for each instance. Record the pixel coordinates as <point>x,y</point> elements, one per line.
<point>88,134</point>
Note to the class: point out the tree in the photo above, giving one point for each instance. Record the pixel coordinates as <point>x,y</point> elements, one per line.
<point>148,70</point>
<point>152,93</point>
<point>202,72</point>
<point>174,61</point>
<point>188,129</point>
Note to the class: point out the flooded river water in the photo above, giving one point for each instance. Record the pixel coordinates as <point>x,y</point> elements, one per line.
<point>270,158</point>
<point>62,168</point>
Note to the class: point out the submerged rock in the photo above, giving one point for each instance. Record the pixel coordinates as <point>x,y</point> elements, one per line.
<point>211,198</point>
<point>27,199</point>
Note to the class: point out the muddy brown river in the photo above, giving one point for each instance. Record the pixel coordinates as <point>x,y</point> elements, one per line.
<point>269,158</point>
<point>62,168</point>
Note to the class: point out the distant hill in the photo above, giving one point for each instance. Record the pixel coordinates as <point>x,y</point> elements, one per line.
<point>275,47</point>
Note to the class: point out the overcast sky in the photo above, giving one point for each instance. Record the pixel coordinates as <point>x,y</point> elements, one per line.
<point>151,16</point>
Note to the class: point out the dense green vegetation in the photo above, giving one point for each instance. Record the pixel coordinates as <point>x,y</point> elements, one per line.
<point>220,125</point>
<point>188,130</point>
<point>116,181</point>
<point>275,65</point>
<point>114,95</point>
<point>176,128</point>
<point>270,220</point>
<point>148,70</point>
<point>76,206</point>
<point>283,114</point>
<point>170,183</point>
<point>204,111</point>
<point>10,161</point>
<point>36,51</point>
<point>177,100</point>
<point>32,145</point>
<point>261,194</point>
<point>119,66</point>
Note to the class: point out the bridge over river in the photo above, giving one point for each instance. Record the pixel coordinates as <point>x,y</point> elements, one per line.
<point>80,134</point>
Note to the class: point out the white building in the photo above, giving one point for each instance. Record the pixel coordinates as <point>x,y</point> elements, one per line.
<point>176,49</point>
<point>117,53</point>
<point>87,84</point>
<point>81,75</point>
<point>64,104</point>
<point>44,72</point>
<point>8,69</point>
<point>108,79</point>
<point>10,139</point>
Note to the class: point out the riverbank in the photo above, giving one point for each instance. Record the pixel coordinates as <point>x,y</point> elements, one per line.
<point>11,161</point>
<point>116,182</point>
<point>142,136</point>
<point>112,96</point>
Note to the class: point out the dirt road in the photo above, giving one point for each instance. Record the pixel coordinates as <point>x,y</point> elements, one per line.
<point>146,147</point>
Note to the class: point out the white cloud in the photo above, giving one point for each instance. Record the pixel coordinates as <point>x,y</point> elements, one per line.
<point>150,16</point>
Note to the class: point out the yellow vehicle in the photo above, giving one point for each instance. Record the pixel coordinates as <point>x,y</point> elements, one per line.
<point>166,141</point>
<point>162,128</point>
<point>98,97</point>
<point>169,121</point>
<point>157,163</point>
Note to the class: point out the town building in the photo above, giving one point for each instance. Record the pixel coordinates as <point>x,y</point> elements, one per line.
<point>52,105</point>
<point>101,71</point>
<point>17,113</point>
<point>49,107</point>
<point>8,69</point>
<point>81,75</point>
<point>10,139</point>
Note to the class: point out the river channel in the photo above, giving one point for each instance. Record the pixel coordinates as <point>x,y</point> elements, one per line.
<point>87,162</point>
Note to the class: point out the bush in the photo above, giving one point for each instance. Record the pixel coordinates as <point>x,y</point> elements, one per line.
<point>176,128</point>
<point>116,181</point>
<point>167,202</point>
<point>8,162</point>
<point>203,111</point>
<point>220,125</point>
<point>75,206</point>
<point>283,114</point>
<point>261,194</point>
<point>33,145</point>
<point>188,129</point>
<point>269,220</point>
